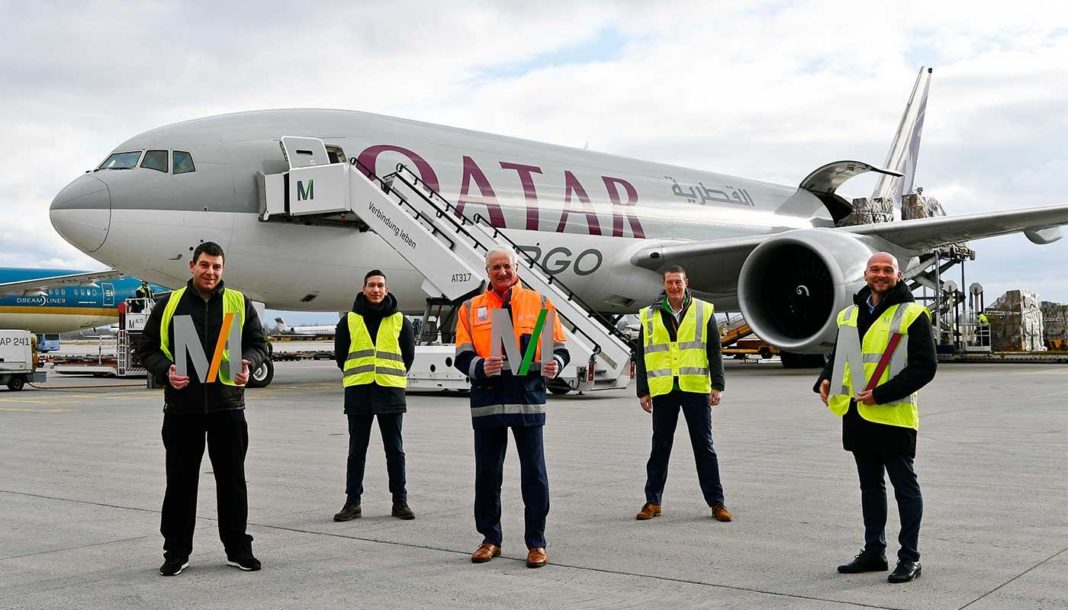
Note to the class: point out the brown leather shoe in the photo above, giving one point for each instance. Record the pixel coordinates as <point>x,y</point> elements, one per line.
<point>648,511</point>
<point>485,552</point>
<point>720,513</point>
<point>537,557</point>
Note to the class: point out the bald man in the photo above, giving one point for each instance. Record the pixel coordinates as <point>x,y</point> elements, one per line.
<point>886,335</point>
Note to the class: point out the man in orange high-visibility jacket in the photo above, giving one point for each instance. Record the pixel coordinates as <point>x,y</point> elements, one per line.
<point>501,400</point>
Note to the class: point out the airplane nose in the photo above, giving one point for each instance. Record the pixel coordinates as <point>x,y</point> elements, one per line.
<point>81,213</point>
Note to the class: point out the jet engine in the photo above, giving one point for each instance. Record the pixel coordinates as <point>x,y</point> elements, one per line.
<point>792,286</point>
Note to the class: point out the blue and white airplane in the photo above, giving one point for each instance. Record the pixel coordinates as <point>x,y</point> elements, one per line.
<point>62,300</point>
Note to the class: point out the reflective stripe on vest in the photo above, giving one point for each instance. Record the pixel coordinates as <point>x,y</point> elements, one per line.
<point>233,302</point>
<point>380,362</point>
<point>685,358</point>
<point>896,319</point>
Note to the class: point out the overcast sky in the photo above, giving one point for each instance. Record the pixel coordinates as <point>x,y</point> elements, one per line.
<point>768,90</point>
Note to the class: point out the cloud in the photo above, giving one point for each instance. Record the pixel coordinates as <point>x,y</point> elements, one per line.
<point>770,90</point>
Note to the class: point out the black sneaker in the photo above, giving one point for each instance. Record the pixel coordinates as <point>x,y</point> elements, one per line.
<point>865,561</point>
<point>245,561</point>
<point>401,511</point>
<point>173,567</point>
<point>349,512</point>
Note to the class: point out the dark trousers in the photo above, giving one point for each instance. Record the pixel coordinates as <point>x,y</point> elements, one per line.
<point>870,467</point>
<point>227,440</point>
<point>490,447</point>
<point>699,422</point>
<point>389,424</point>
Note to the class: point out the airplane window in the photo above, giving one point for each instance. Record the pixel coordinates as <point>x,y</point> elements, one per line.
<point>183,162</point>
<point>122,160</point>
<point>155,159</point>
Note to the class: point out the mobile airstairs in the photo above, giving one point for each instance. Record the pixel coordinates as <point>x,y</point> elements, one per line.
<point>447,248</point>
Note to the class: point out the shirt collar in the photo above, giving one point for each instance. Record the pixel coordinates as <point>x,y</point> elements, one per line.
<point>666,304</point>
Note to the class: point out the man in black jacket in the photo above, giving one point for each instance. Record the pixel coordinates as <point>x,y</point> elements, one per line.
<point>881,430</point>
<point>374,386</point>
<point>203,403</point>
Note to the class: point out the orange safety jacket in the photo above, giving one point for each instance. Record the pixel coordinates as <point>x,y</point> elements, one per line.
<point>505,399</point>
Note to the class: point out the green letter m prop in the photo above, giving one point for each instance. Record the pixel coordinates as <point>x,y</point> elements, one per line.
<point>503,334</point>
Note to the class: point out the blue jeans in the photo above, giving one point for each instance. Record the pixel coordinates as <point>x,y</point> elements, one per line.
<point>699,422</point>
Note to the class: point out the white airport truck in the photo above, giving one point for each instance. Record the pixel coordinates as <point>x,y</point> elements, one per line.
<point>18,359</point>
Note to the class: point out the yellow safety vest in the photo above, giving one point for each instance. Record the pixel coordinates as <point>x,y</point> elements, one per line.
<point>685,358</point>
<point>378,362</point>
<point>233,302</point>
<point>896,319</point>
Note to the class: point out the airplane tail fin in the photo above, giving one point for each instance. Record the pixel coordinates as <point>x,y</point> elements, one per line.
<point>905,149</point>
<point>282,326</point>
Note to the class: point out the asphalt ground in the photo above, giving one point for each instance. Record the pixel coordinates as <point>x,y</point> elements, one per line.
<point>81,484</point>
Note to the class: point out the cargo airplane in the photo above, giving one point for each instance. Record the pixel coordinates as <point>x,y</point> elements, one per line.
<point>605,225</point>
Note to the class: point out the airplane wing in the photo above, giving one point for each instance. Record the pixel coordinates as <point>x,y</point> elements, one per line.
<point>705,261</point>
<point>73,279</point>
<point>1037,223</point>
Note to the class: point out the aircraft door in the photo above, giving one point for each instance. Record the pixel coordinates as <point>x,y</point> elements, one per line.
<point>336,154</point>
<point>304,152</point>
<point>108,291</point>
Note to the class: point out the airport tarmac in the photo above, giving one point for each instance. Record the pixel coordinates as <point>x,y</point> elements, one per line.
<point>82,483</point>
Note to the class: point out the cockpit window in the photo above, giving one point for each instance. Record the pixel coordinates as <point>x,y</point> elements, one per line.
<point>183,162</point>
<point>155,159</point>
<point>122,160</point>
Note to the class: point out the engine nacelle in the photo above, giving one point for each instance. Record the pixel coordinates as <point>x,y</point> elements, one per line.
<point>792,286</point>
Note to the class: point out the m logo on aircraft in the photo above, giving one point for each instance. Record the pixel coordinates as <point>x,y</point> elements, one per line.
<point>303,195</point>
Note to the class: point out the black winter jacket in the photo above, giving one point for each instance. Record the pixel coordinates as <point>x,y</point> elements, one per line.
<point>859,434</point>
<point>373,398</point>
<point>207,317</point>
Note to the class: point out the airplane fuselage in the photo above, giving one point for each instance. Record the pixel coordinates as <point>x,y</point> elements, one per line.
<point>580,213</point>
<point>62,308</point>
